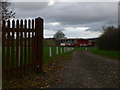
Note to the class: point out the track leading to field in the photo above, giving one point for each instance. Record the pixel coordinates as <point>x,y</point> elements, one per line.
<point>87,70</point>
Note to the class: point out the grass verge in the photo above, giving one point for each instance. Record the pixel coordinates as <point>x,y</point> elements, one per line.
<point>105,53</point>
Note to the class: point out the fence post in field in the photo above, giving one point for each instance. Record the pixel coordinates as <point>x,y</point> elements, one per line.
<point>39,44</point>
<point>50,53</point>
<point>68,49</point>
<point>56,50</point>
<point>72,48</point>
<point>61,49</point>
<point>64,49</point>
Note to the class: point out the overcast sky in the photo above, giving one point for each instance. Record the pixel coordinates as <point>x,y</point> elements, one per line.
<point>75,19</point>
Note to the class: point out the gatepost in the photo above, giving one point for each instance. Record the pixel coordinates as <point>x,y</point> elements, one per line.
<point>39,44</point>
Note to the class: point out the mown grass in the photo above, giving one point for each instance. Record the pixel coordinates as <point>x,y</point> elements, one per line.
<point>0,51</point>
<point>47,58</point>
<point>0,57</point>
<point>80,48</point>
<point>105,53</point>
<point>47,44</point>
<point>46,53</point>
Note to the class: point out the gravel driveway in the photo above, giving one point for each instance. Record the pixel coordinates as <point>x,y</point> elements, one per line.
<point>87,70</point>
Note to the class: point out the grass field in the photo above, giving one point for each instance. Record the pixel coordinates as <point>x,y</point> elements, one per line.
<point>0,57</point>
<point>49,42</point>
<point>105,53</point>
<point>1,51</point>
<point>80,48</point>
<point>47,58</point>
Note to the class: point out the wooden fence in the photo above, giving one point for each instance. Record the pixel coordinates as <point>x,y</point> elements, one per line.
<point>22,46</point>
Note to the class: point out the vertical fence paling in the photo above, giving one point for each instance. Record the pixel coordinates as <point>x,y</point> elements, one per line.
<point>29,59</point>
<point>17,46</point>
<point>8,47</point>
<point>3,48</point>
<point>21,46</point>
<point>32,65</point>
<point>12,48</point>
<point>35,53</point>
<point>25,42</point>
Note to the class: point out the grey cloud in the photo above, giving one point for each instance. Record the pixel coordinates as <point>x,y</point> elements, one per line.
<point>86,13</point>
<point>29,6</point>
<point>70,14</point>
<point>54,28</point>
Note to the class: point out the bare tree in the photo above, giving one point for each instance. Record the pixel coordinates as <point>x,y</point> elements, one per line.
<point>6,11</point>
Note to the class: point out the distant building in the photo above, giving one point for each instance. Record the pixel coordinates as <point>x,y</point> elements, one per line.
<point>77,42</point>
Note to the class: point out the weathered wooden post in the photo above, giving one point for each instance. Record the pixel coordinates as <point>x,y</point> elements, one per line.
<point>50,52</point>
<point>39,44</point>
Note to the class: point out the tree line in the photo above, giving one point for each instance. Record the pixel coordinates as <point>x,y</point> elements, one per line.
<point>109,40</point>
